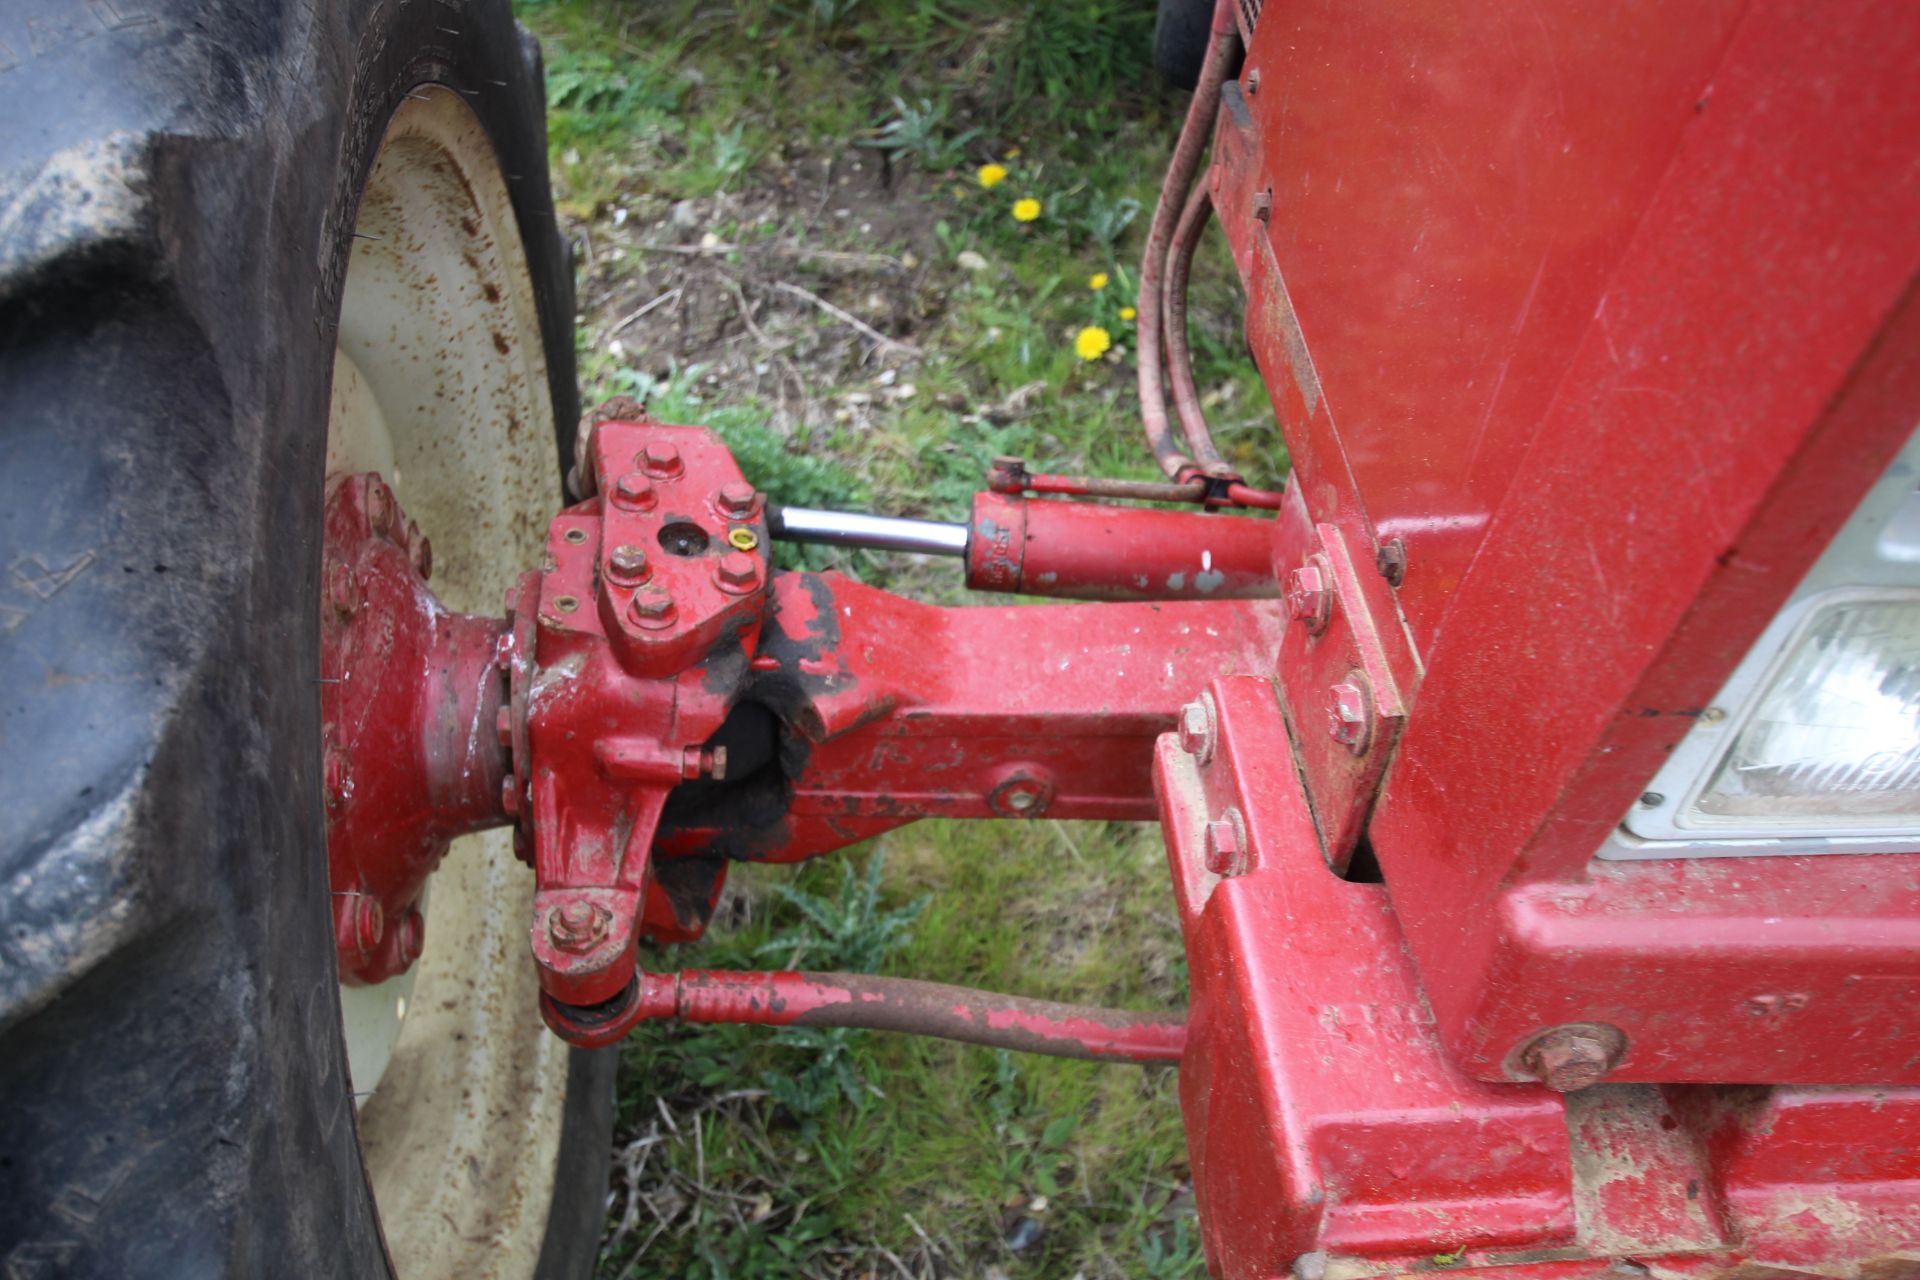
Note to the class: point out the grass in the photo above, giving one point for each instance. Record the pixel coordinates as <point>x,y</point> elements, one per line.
<point>737,135</point>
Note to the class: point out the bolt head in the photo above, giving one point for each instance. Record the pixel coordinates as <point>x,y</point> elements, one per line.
<point>736,499</point>
<point>1567,1059</point>
<point>651,608</point>
<point>661,460</point>
<point>339,782</point>
<point>1310,596</point>
<point>628,564</point>
<point>577,926</point>
<point>379,507</point>
<point>343,590</point>
<point>1222,849</point>
<point>1196,730</point>
<point>369,922</point>
<point>737,572</point>
<point>633,492</point>
<point>1350,715</point>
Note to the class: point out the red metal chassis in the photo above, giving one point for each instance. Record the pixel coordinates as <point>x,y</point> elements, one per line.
<point>1591,325</point>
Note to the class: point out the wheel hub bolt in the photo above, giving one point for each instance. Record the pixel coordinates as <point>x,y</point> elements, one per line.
<point>628,565</point>
<point>651,608</point>
<point>577,926</point>
<point>736,500</point>
<point>379,508</point>
<point>737,572</point>
<point>661,460</point>
<point>633,492</point>
<point>343,590</point>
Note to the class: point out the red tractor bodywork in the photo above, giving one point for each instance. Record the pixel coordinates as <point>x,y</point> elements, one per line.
<point>1586,328</point>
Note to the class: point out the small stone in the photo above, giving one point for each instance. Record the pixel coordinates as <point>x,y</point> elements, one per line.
<point>620,217</point>
<point>909,260</point>
<point>710,241</point>
<point>684,215</point>
<point>887,377</point>
<point>971,261</point>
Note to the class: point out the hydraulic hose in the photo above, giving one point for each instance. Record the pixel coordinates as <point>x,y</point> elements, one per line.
<point>1179,359</point>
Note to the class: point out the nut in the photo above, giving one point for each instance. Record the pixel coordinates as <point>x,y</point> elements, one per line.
<point>1196,730</point>
<point>1391,561</point>
<point>1222,850</point>
<point>577,926</point>
<point>1350,713</point>
<point>633,492</point>
<point>628,565</point>
<point>369,922</point>
<point>379,508</point>
<point>1570,1058</point>
<point>651,608</point>
<point>1310,595</point>
<point>736,500</point>
<point>737,572</point>
<point>343,590</point>
<point>661,460</point>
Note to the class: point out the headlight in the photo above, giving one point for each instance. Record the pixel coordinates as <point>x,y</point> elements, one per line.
<point>1813,745</point>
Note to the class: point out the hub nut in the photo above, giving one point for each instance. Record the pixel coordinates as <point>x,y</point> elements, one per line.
<point>736,500</point>
<point>633,492</point>
<point>628,565</point>
<point>661,460</point>
<point>577,926</point>
<point>737,572</point>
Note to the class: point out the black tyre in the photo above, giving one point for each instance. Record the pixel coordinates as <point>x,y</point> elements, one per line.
<point>180,278</point>
<point>1180,33</point>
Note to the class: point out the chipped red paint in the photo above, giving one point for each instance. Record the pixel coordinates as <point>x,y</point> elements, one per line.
<point>781,999</point>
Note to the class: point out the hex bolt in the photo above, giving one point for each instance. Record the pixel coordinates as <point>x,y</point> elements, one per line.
<point>1573,1057</point>
<point>343,590</point>
<point>628,565</point>
<point>633,492</point>
<point>1391,561</point>
<point>577,926</point>
<point>1350,713</point>
<point>661,460</point>
<point>736,499</point>
<point>339,782</point>
<point>413,935</point>
<point>737,572</point>
<point>1310,594</point>
<point>379,508</point>
<point>1263,205</point>
<point>651,608</point>
<point>1196,731</point>
<point>1222,849</point>
<point>369,922</point>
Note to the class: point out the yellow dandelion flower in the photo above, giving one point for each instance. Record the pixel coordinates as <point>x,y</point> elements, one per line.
<point>1128,313</point>
<point>991,175</point>
<point>1092,342</point>
<point>1098,282</point>
<point>1026,210</point>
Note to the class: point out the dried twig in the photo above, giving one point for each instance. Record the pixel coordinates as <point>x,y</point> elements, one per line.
<point>668,296</point>
<point>847,317</point>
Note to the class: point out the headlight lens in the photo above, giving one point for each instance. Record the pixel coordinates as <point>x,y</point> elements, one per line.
<point>1834,743</point>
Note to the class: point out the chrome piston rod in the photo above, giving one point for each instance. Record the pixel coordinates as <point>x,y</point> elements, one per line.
<point>874,533</point>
